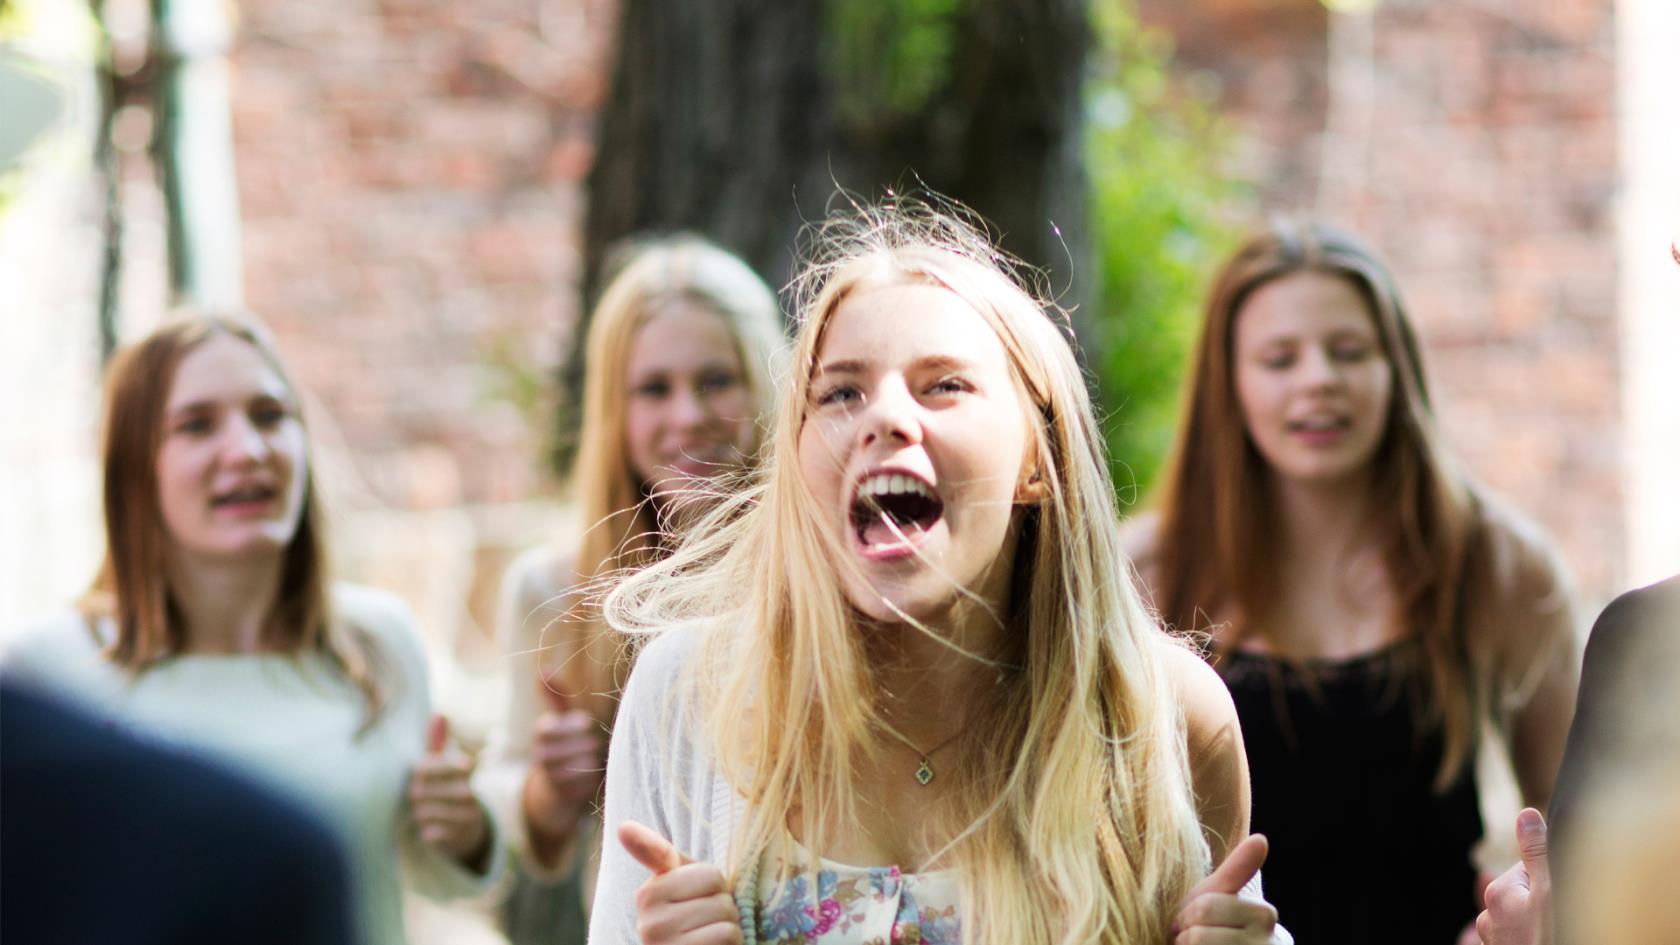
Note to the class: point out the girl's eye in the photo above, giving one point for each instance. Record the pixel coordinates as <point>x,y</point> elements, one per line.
<point>1278,362</point>
<point>653,390</point>
<point>268,416</point>
<point>1351,353</point>
<point>715,383</point>
<point>839,394</point>
<point>196,425</point>
<point>950,385</point>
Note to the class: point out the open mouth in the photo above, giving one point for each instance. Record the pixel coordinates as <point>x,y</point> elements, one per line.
<point>248,495</point>
<point>1321,424</point>
<point>891,512</point>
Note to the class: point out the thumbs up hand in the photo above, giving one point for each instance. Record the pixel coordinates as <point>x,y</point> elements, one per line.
<point>1213,912</point>
<point>567,764</point>
<point>445,809</point>
<point>1519,902</point>
<point>684,902</point>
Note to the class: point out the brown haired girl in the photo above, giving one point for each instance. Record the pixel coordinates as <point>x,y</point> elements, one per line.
<point>212,621</point>
<point>1370,609</point>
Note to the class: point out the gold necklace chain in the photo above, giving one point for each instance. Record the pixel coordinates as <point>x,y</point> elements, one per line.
<point>924,771</point>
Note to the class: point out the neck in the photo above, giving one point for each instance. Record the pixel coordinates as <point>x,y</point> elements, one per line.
<point>1321,519</point>
<point>226,605</point>
<point>929,677</point>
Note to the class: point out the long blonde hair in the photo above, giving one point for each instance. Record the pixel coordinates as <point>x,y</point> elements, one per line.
<point>1075,819</point>
<point>622,528</point>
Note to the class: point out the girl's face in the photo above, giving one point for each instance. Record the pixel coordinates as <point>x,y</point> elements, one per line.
<point>1311,377</point>
<point>689,415</point>
<point>233,464</point>
<point>913,444</point>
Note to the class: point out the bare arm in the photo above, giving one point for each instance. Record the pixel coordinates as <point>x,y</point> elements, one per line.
<point>1538,665</point>
<point>1218,763</point>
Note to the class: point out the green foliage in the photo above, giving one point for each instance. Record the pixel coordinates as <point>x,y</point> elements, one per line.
<point>1159,205</point>
<point>890,55</point>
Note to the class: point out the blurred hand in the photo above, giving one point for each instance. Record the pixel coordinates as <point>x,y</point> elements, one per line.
<point>684,902</point>
<point>1213,913</point>
<point>567,765</point>
<point>445,809</point>
<point>1519,902</point>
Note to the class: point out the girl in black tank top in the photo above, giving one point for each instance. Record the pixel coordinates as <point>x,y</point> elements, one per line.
<point>1343,787</point>
<point>1311,511</point>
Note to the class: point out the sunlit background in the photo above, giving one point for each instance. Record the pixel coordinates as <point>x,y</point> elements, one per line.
<point>414,194</point>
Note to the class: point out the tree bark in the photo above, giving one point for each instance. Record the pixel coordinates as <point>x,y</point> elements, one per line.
<point>737,119</point>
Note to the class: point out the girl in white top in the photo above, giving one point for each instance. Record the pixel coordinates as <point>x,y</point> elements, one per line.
<point>901,695</point>
<point>678,361</point>
<point>212,623</point>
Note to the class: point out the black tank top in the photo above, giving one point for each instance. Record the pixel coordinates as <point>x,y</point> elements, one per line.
<point>1363,848</point>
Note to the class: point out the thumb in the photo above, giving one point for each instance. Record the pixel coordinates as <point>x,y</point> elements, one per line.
<point>1239,867</point>
<point>1531,843</point>
<point>437,734</point>
<point>649,848</point>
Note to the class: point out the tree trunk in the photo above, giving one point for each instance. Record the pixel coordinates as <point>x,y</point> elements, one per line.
<point>737,119</point>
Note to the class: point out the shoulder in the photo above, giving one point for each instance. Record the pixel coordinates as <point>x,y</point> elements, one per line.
<point>1209,714</point>
<point>662,657</point>
<point>1523,563</point>
<point>53,646</point>
<point>537,576</point>
<point>379,613</point>
<point>388,625</point>
<point>1525,598</point>
<point>1637,623</point>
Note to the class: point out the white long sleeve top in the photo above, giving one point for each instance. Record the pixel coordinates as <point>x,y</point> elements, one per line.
<point>659,774</point>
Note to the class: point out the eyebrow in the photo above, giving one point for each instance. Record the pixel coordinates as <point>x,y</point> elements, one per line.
<point>850,366</point>
<point>192,406</point>
<point>943,362</point>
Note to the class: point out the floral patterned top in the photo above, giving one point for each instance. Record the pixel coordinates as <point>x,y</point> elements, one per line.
<point>854,905</point>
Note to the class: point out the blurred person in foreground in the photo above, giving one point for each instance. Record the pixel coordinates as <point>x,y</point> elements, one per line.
<point>107,839</point>
<point>678,377</point>
<point>212,621</point>
<point>1613,816</point>
<point>1370,608</point>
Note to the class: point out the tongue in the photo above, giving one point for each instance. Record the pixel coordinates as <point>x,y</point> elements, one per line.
<point>878,532</point>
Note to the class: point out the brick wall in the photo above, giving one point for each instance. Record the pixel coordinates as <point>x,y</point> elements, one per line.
<point>411,177</point>
<point>1475,145</point>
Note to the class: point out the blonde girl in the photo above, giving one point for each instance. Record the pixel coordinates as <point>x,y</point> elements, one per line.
<point>678,359</point>
<point>899,693</point>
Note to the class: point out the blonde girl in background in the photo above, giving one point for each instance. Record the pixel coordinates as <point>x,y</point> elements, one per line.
<point>896,692</point>
<point>1370,608</point>
<point>678,362</point>
<point>213,622</point>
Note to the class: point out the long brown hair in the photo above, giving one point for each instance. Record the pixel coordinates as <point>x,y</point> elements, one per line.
<point>623,531</point>
<point>1210,554</point>
<point>132,588</point>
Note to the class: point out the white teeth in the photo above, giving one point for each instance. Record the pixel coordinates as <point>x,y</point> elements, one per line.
<point>894,484</point>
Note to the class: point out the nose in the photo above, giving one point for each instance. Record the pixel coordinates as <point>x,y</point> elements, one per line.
<point>688,408</point>
<point>245,443</point>
<point>891,416</point>
<point>1319,369</point>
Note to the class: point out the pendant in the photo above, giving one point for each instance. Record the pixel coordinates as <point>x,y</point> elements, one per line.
<point>924,774</point>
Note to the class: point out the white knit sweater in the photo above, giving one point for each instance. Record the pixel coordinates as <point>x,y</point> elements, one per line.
<point>659,774</point>
<point>291,722</point>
